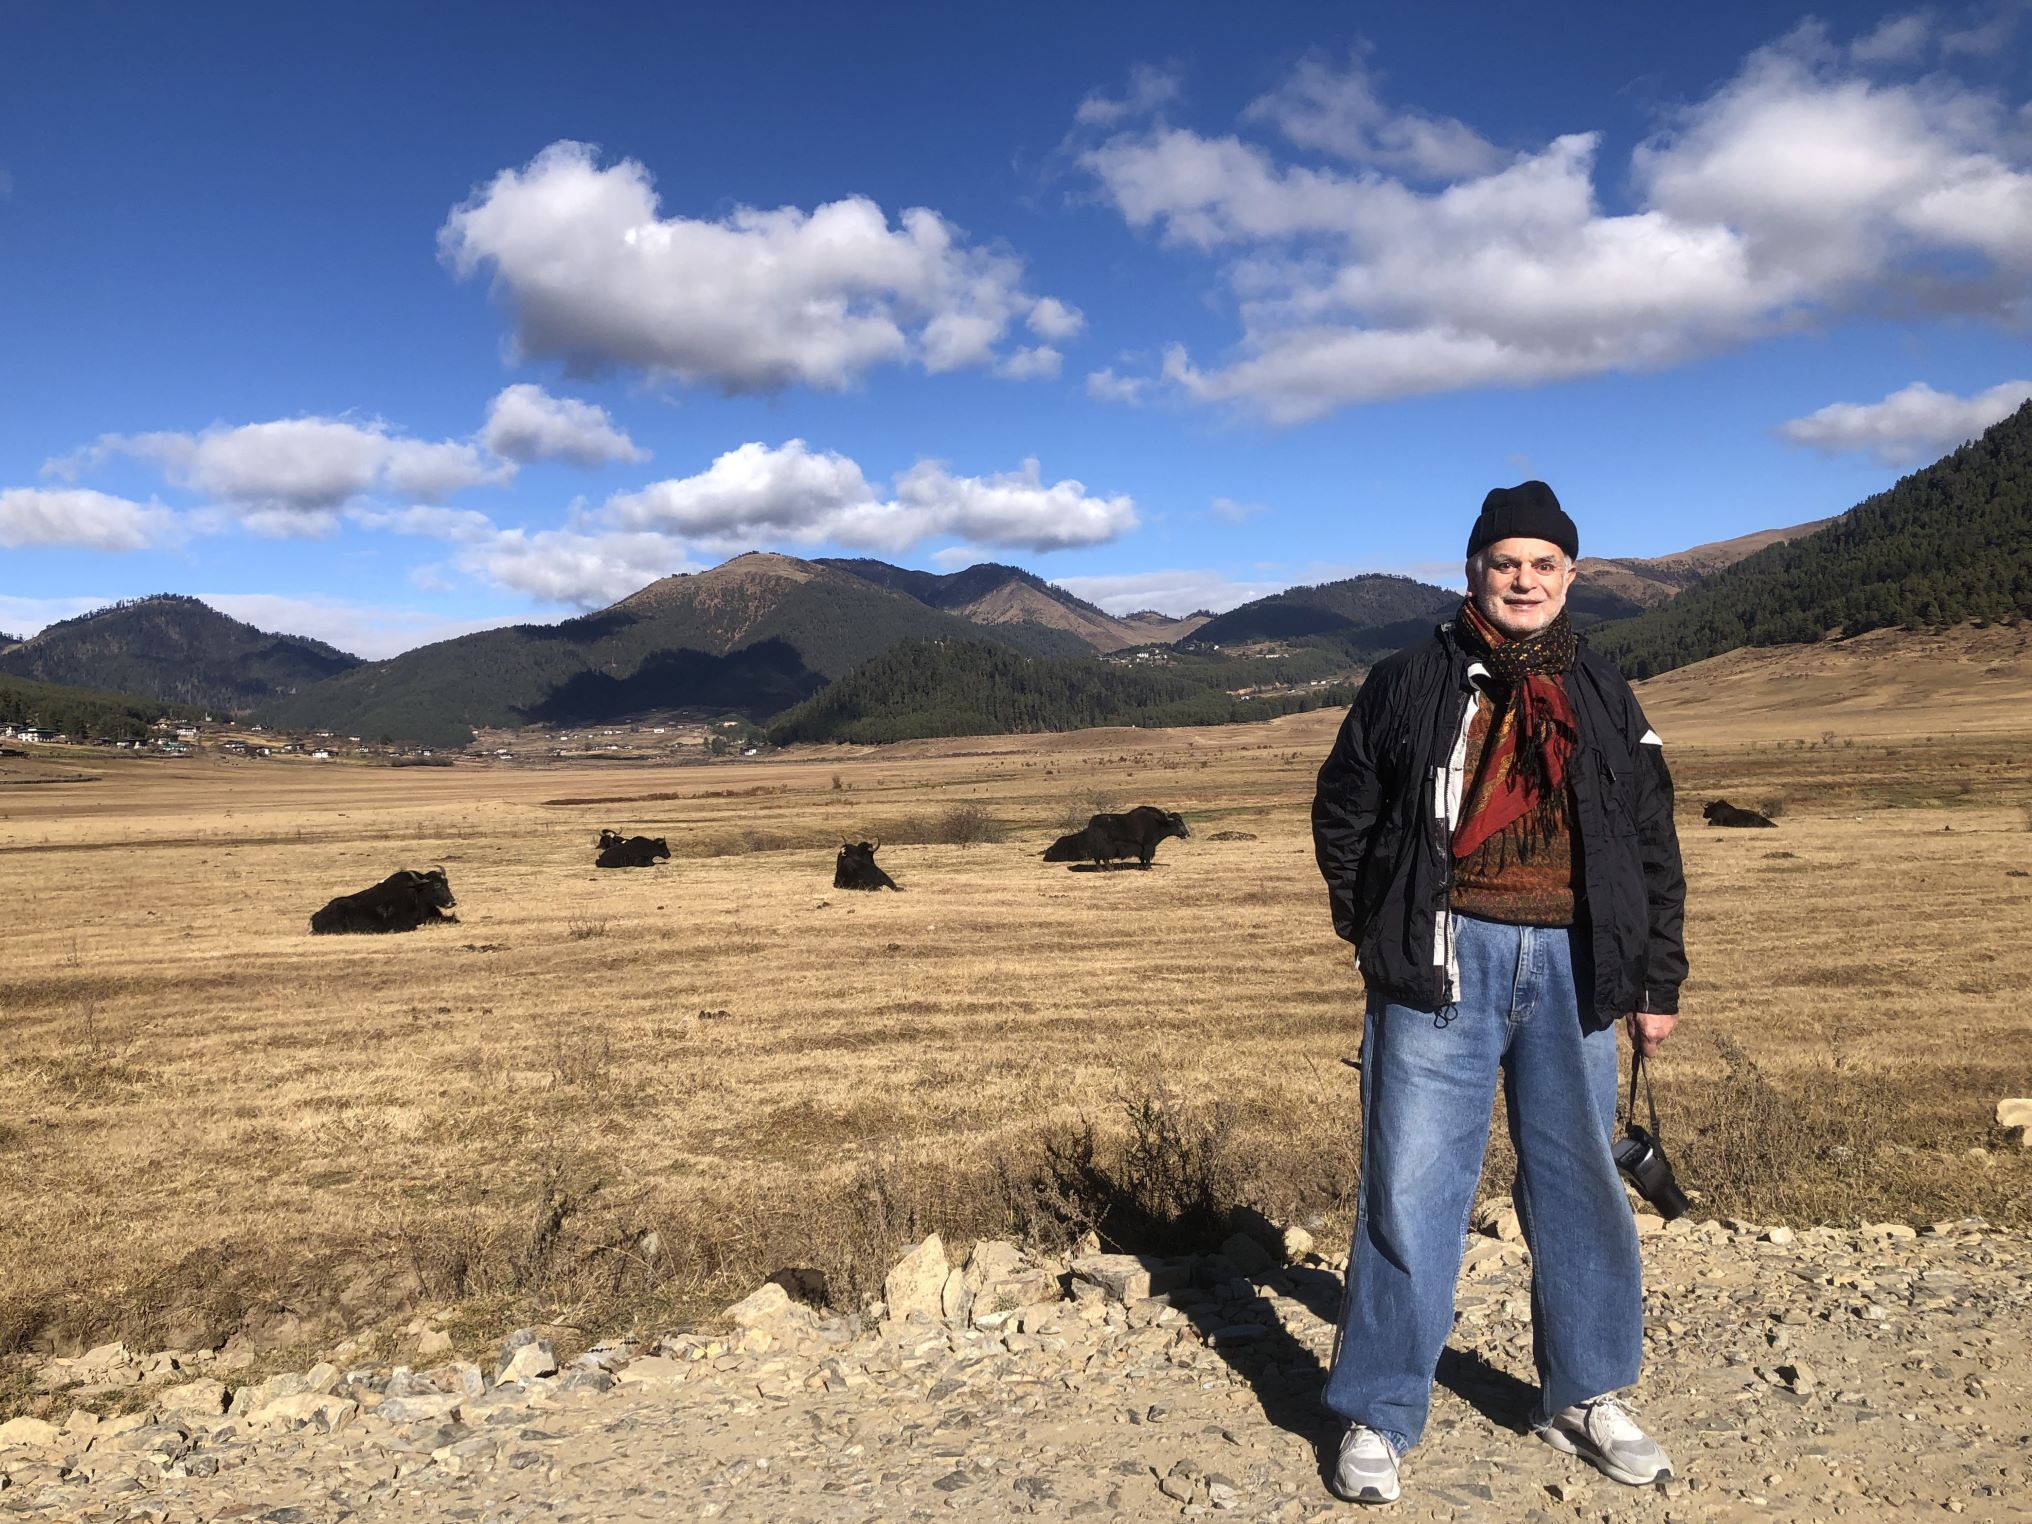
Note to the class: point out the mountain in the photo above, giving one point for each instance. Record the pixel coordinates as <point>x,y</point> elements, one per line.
<point>967,687</point>
<point>9,640</point>
<point>1018,607</point>
<point>752,636</point>
<point>176,650</point>
<point>1343,608</point>
<point>1645,582</point>
<point>1152,628</point>
<point>1947,543</point>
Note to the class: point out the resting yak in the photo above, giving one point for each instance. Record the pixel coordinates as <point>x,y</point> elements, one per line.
<point>1107,837</point>
<point>635,852</point>
<point>402,901</point>
<point>855,868</point>
<point>1721,813</point>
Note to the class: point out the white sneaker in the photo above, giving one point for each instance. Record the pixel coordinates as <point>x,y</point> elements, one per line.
<point>1603,1434</point>
<point>1367,1469</point>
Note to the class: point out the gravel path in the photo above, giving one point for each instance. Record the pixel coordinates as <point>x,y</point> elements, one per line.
<point>1832,1374</point>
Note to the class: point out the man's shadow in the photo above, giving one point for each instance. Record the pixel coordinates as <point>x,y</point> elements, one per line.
<point>1281,1371</point>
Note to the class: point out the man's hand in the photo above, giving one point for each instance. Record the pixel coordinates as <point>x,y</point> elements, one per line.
<point>1649,1031</point>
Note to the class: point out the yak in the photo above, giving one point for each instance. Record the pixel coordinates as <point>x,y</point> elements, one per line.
<point>1134,833</point>
<point>855,867</point>
<point>1721,813</point>
<point>402,901</point>
<point>635,852</point>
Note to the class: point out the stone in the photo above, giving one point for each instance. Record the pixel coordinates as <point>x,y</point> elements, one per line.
<point>2017,1114</point>
<point>1498,1219</point>
<point>248,1398</point>
<point>529,1362</point>
<point>1779,1235</point>
<point>203,1398</point>
<point>433,1342</point>
<point>916,1282</point>
<point>104,1355</point>
<point>1129,1277</point>
<point>653,1368</point>
<point>29,1431</point>
<point>1648,1223</point>
<point>328,1412</point>
<point>1297,1244</point>
<point>955,1301</point>
<point>769,1309</point>
<point>1246,1254</point>
<point>420,1407</point>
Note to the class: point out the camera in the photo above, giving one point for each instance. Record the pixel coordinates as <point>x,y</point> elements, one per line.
<point>1649,1172</point>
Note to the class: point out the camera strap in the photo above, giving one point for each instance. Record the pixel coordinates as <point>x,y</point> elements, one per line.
<point>1637,1071</point>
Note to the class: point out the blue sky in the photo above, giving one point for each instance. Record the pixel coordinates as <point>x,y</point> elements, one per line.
<point>382,323</point>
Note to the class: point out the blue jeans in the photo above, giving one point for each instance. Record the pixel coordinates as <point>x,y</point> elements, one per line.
<point>1428,1087</point>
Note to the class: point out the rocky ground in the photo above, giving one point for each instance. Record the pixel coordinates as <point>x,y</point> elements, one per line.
<point>1823,1374</point>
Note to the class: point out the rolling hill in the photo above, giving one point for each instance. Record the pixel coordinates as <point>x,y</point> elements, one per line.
<point>175,649</point>
<point>1017,607</point>
<point>924,688</point>
<point>753,636</point>
<point>1341,608</point>
<point>1645,582</point>
<point>1950,542</point>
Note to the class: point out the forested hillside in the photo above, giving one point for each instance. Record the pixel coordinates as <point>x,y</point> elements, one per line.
<point>751,637</point>
<point>176,650</point>
<point>83,714</point>
<point>964,688</point>
<point>1948,543</point>
<point>1330,608</point>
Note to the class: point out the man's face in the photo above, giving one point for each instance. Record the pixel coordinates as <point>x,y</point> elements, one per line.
<point>1520,585</point>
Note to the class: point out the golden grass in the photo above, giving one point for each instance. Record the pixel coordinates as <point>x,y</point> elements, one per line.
<point>608,1095</point>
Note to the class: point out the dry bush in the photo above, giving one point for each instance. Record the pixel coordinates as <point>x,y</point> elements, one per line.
<point>1807,1151</point>
<point>585,928</point>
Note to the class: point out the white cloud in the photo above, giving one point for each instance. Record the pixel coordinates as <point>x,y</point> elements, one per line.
<point>1052,320</point>
<point>597,277</point>
<point>1799,192</point>
<point>757,495</point>
<point>1338,111</point>
<point>1909,426</point>
<point>1105,386</point>
<point>1897,39</point>
<point>1039,362</point>
<point>526,423</point>
<point>1228,511</point>
<point>576,566</point>
<point>302,466</point>
<point>374,631</point>
<point>430,520</point>
<point>1168,592</point>
<point>77,516</point>
<point>1150,90</point>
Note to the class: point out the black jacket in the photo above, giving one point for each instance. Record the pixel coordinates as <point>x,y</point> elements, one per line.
<point>1379,829</point>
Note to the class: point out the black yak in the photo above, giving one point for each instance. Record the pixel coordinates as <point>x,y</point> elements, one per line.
<point>1721,813</point>
<point>402,901</point>
<point>855,868</point>
<point>1135,833</point>
<point>635,852</point>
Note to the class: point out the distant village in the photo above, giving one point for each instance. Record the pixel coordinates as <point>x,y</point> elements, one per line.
<point>670,741</point>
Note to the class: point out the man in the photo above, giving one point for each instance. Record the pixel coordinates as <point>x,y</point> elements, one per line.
<point>1495,828</point>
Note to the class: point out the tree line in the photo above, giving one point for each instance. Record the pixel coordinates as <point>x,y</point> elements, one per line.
<point>1949,543</point>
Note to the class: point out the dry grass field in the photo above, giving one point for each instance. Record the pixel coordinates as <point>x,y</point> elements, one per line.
<point>616,1095</point>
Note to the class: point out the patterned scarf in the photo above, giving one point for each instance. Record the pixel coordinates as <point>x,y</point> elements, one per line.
<point>1523,769</point>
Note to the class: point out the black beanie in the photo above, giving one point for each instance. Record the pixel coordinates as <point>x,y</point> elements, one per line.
<point>1527,511</point>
